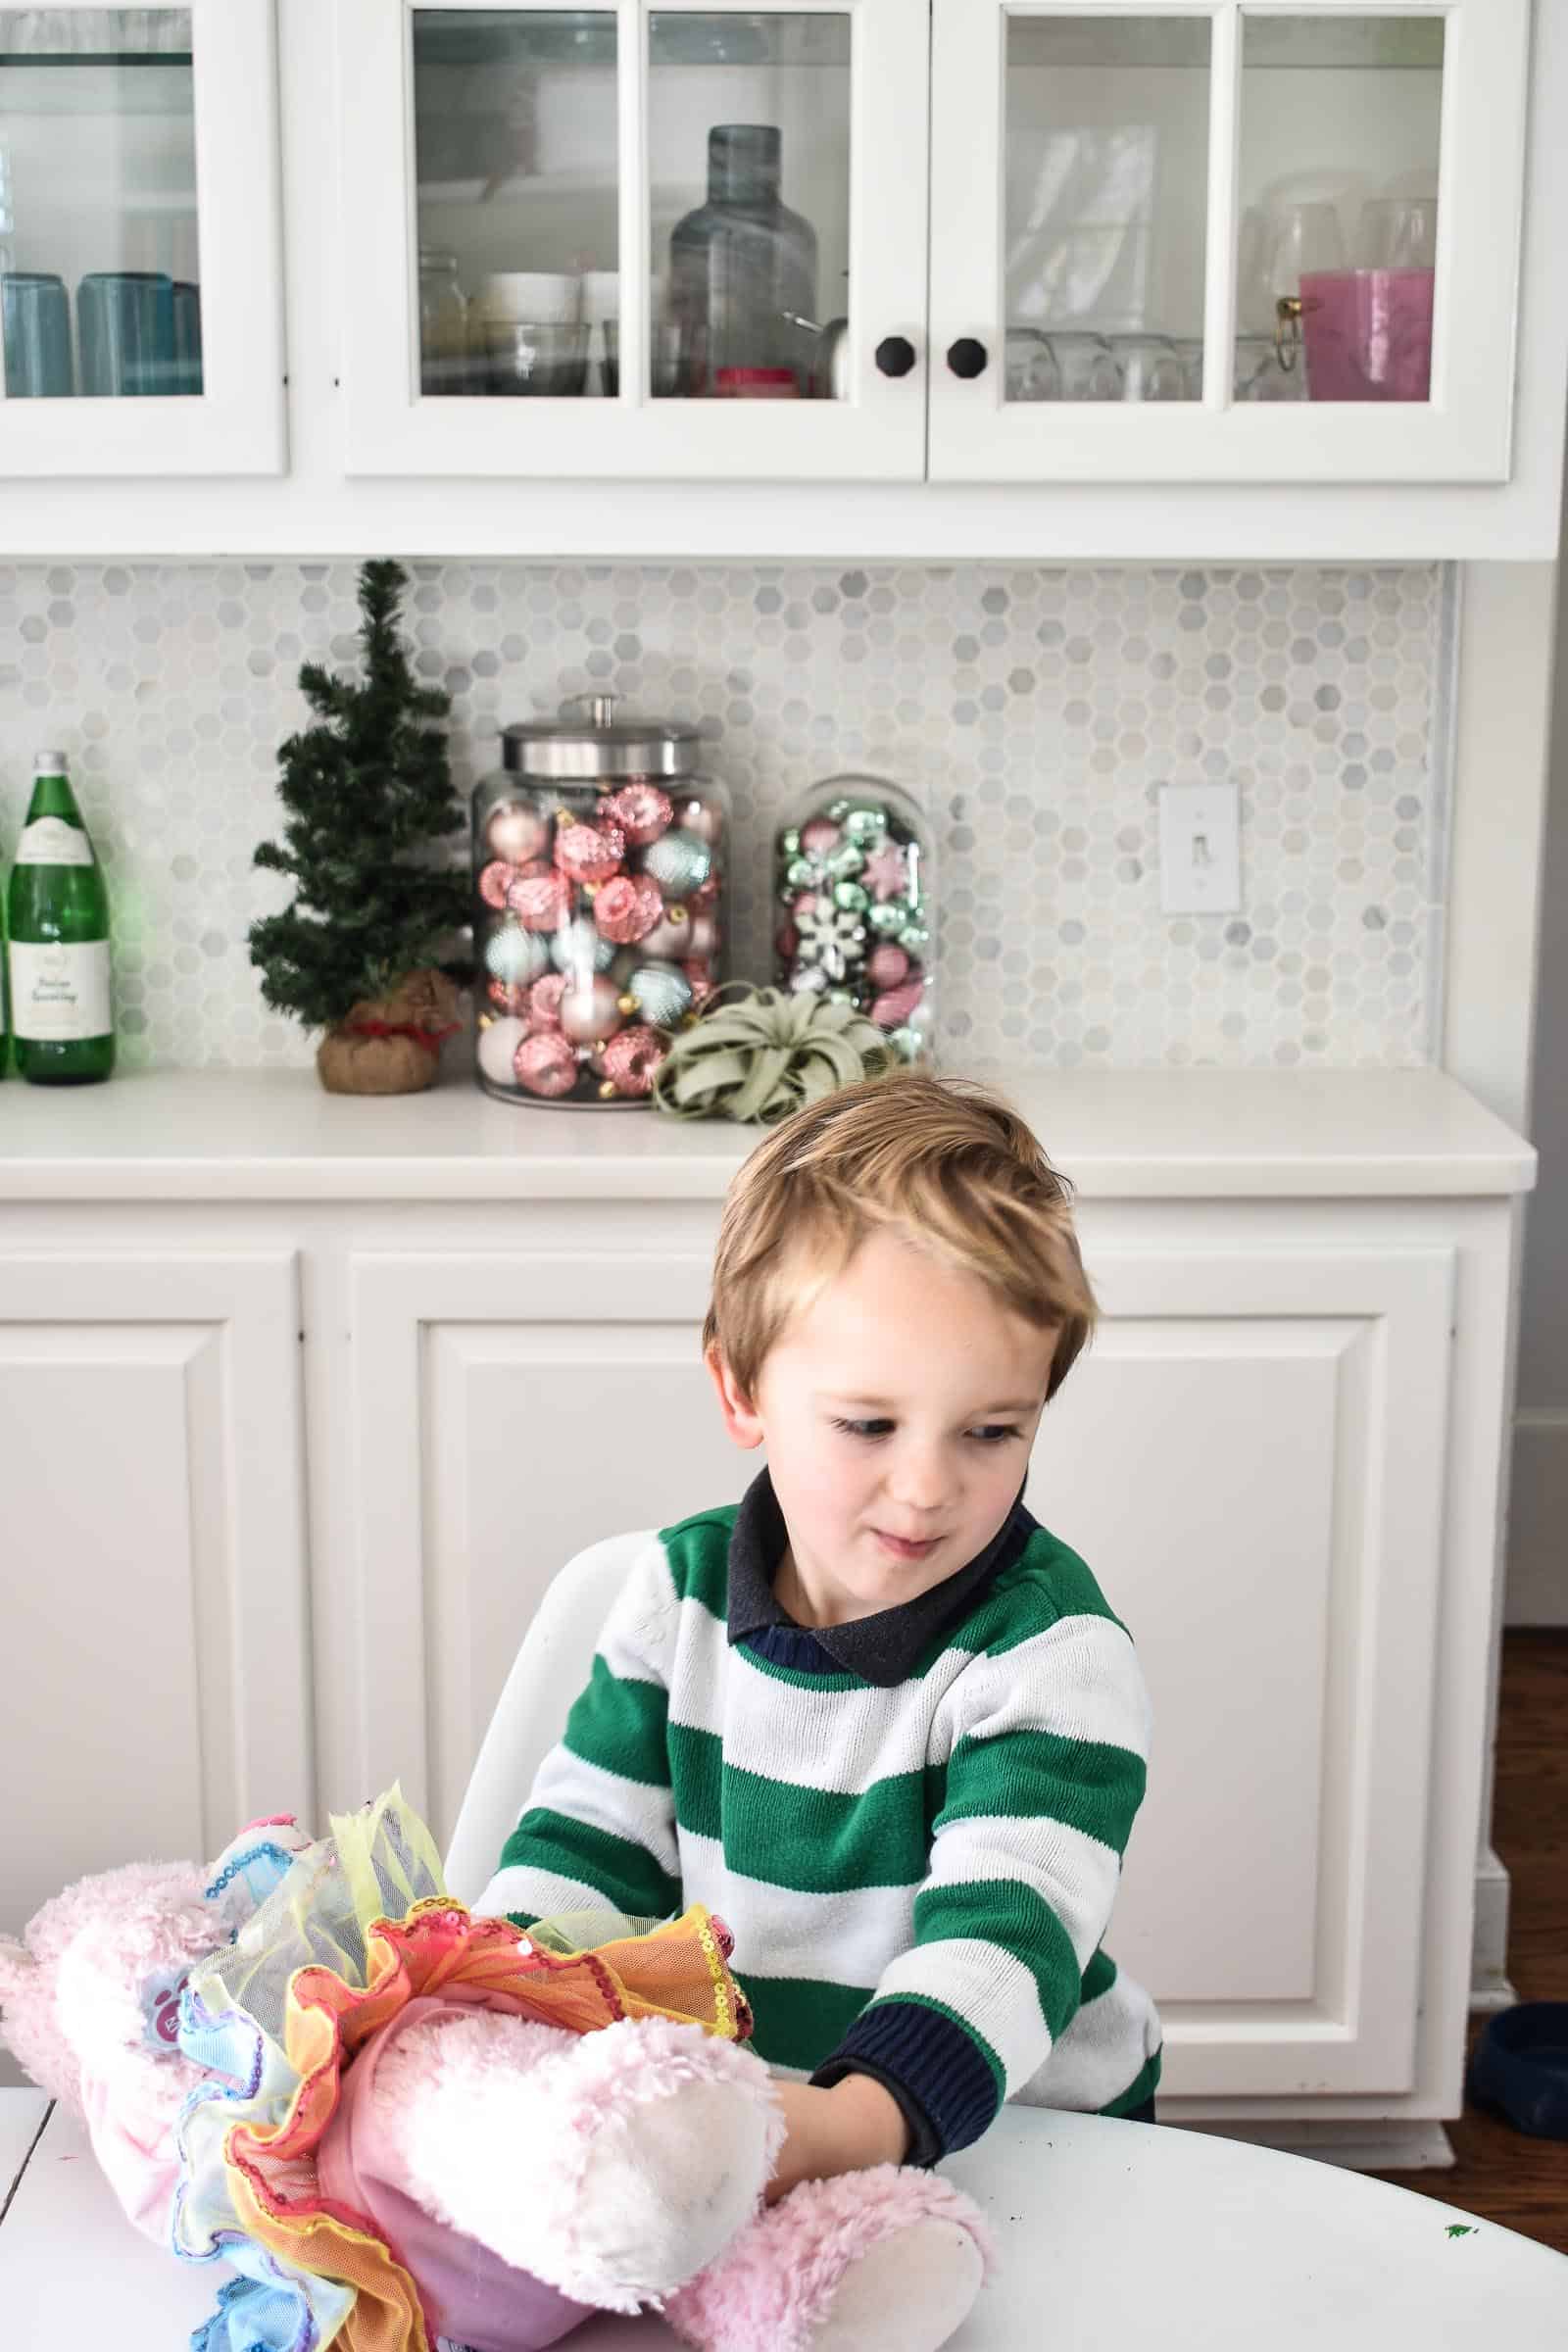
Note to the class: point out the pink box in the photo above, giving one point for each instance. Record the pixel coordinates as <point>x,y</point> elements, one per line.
<point>1368,333</point>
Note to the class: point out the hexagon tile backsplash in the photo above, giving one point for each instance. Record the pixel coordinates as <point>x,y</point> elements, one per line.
<point>1035,711</point>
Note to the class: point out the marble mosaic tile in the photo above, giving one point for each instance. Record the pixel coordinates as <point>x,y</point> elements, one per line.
<point>1036,712</point>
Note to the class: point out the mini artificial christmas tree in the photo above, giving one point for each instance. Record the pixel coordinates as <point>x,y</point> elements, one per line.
<point>366,789</point>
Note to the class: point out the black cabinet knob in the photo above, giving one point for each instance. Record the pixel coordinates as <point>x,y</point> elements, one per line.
<point>894,355</point>
<point>967,357</point>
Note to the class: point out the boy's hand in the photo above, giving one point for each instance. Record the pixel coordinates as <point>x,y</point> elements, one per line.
<point>844,2130</point>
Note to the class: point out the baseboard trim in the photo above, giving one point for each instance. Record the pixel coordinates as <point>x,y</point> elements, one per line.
<point>1390,2146</point>
<point>1489,1989</point>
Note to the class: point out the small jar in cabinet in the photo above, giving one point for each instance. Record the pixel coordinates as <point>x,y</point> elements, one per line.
<point>854,906</point>
<point>599,858</point>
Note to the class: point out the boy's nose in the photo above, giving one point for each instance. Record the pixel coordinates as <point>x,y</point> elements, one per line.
<point>919,1483</point>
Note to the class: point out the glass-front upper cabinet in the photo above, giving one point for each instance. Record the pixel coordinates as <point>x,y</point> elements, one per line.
<point>1271,242</point>
<point>140,286</point>
<point>637,239</point>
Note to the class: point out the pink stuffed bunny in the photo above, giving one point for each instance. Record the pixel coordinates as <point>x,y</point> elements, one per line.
<point>519,2174</point>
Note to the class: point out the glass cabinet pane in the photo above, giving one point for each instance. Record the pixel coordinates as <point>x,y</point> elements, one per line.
<point>1106,202</point>
<point>515,143</point>
<point>99,261</point>
<point>1337,205</point>
<point>749,164</point>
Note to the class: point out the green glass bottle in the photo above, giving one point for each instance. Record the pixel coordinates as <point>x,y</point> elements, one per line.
<point>57,948</point>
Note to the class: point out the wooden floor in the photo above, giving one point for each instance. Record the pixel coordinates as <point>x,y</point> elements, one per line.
<point>1502,2175</point>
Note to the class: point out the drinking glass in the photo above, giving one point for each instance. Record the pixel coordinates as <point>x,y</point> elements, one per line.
<point>1398,232</point>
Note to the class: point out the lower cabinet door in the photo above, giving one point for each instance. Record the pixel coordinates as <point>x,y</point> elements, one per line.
<point>151,1473</point>
<point>1249,1457</point>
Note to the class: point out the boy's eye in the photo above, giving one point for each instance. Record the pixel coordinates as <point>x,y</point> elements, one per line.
<point>989,1433</point>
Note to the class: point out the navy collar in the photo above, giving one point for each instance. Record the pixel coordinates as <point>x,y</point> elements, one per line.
<point>883,1648</point>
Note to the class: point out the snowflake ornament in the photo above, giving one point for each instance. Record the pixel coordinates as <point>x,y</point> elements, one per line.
<point>829,936</point>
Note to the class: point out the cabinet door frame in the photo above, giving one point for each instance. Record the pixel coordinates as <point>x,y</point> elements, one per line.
<point>236,425</point>
<point>228,1320</point>
<point>1358,2034</point>
<point>1464,434</point>
<point>877,434</point>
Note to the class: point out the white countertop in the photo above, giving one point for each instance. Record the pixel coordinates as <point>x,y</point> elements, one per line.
<point>1159,1134</point>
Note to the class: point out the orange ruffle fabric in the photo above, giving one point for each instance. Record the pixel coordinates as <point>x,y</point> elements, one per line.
<point>676,1970</point>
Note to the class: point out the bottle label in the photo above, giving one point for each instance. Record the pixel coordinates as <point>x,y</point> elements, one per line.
<point>54,840</point>
<point>60,993</point>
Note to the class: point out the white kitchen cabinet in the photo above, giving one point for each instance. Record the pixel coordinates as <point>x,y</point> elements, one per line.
<point>1236,243</point>
<point>142,314</point>
<point>522,171</point>
<point>155,1604</point>
<point>1281,1456</point>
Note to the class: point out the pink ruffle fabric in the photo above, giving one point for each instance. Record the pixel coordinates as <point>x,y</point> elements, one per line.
<point>469,2295</point>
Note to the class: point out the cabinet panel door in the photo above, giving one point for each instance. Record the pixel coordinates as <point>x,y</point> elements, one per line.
<point>142,306</point>
<point>1226,242</point>
<point>157,1681</point>
<point>608,241</point>
<point>1248,1457</point>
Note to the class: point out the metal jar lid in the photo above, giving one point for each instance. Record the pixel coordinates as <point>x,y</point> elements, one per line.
<point>599,743</point>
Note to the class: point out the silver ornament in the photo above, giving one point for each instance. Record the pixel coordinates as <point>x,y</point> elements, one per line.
<point>807,980</point>
<point>679,862</point>
<point>581,947</point>
<point>515,956</point>
<point>908,1042</point>
<point>661,992</point>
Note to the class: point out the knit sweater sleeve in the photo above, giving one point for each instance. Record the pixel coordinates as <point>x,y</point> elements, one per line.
<point>1045,1776</point>
<point>599,1826</point>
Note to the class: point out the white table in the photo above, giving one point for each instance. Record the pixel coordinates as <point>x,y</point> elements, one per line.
<point>1111,2234</point>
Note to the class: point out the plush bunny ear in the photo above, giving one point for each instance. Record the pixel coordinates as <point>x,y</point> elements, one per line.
<point>29,2023</point>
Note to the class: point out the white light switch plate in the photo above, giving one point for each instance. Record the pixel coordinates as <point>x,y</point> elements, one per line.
<point>1200,849</point>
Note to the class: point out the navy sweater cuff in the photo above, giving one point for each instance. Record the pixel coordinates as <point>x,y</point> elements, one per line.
<point>933,2068</point>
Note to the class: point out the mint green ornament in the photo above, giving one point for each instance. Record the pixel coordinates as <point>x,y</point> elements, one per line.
<point>915,937</point>
<point>865,823</point>
<point>887,921</point>
<point>850,897</point>
<point>844,862</point>
<point>679,862</point>
<point>515,956</point>
<point>790,842</point>
<point>662,993</point>
<point>801,874</point>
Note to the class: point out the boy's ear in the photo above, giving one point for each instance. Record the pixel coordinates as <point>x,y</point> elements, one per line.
<point>740,1417</point>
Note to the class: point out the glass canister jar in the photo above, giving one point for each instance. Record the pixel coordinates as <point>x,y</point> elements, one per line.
<point>601,921</point>
<point>854,907</point>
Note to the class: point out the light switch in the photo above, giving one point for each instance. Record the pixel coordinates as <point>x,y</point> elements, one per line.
<point>1200,849</point>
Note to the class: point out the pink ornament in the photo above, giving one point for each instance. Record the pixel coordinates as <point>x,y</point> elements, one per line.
<point>786,939</point>
<point>630,1059</point>
<point>641,812</point>
<point>590,852</point>
<point>819,836</point>
<point>887,964</point>
<point>702,936</point>
<point>701,976</point>
<point>592,1013</point>
<point>891,1010</point>
<point>887,871</point>
<point>516,832</point>
<point>508,996</point>
<point>544,1000</point>
<point>540,902</point>
<point>804,904</point>
<point>546,1064</point>
<point>628,908</point>
<point>494,881</point>
<point>497,1049</point>
<point>704,893</point>
<point>704,819</point>
<point>669,942</point>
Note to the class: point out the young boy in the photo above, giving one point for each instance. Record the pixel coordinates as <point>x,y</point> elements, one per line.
<point>877,1717</point>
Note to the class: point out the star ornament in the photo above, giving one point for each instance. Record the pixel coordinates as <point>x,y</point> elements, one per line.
<point>887,871</point>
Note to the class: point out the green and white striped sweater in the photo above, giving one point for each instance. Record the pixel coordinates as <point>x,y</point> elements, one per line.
<point>918,1873</point>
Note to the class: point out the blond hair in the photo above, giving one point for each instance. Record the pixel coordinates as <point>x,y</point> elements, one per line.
<point>944,1163</point>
